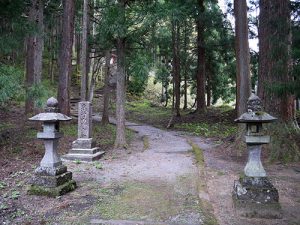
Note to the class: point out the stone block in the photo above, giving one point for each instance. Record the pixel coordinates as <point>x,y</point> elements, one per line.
<point>50,171</point>
<point>33,189</point>
<point>84,120</point>
<point>256,197</point>
<point>83,143</point>
<point>84,151</point>
<point>51,181</point>
<point>83,157</point>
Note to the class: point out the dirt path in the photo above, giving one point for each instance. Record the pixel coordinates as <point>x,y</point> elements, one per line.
<point>157,183</point>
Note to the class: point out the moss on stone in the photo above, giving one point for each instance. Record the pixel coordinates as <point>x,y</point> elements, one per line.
<point>52,192</point>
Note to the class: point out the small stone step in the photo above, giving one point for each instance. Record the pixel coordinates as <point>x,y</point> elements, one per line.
<point>83,157</point>
<point>84,151</point>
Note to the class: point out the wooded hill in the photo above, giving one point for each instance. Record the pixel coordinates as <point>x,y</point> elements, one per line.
<point>191,47</point>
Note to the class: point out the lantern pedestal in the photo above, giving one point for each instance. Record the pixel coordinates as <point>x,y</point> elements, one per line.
<point>51,182</point>
<point>256,197</point>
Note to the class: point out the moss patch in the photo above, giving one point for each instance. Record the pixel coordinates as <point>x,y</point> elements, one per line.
<point>52,192</point>
<point>210,218</point>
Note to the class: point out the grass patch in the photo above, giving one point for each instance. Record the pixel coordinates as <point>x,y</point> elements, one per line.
<point>219,130</point>
<point>198,152</point>
<point>146,142</point>
<point>105,135</point>
<point>5,126</point>
<point>145,111</point>
<point>69,129</point>
<point>285,142</point>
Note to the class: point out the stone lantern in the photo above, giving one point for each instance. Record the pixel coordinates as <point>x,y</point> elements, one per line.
<point>254,195</point>
<point>51,178</point>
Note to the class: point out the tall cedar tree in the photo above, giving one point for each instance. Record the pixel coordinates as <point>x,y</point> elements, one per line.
<point>106,92</point>
<point>65,56</point>
<point>34,52</point>
<point>242,56</point>
<point>275,58</point>
<point>201,105</point>
<point>176,64</point>
<point>84,52</point>
<point>120,141</point>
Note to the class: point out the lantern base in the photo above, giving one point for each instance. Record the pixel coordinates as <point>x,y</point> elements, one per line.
<point>52,192</point>
<point>51,181</point>
<point>256,197</point>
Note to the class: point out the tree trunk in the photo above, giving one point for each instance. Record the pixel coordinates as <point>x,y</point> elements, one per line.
<point>65,57</point>
<point>34,54</point>
<point>176,65</point>
<point>275,58</point>
<point>200,98</point>
<point>120,141</point>
<point>208,89</point>
<point>243,84</point>
<point>105,114</point>
<point>185,64</point>
<point>120,107</point>
<point>84,50</point>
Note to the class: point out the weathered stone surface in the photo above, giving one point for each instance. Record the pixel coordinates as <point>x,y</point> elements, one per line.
<point>256,197</point>
<point>254,167</point>
<point>84,120</point>
<point>83,157</point>
<point>84,151</point>
<point>83,143</point>
<point>254,103</point>
<point>52,192</point>
<point>50,171</point>
<point>51,158</point>
<point>257,139</point>
<point>51,181</point>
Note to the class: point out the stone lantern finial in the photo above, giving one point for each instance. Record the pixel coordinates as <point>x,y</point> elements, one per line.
<point>254,103</point>
<point>51,105</point>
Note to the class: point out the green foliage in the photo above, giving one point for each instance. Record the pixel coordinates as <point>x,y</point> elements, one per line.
<point>11,79</point>
<point>105,135</point>
<point>77,161</point>
<point>143,110</point>
<point>2,185</point>
<point>41,92</point>
<point>138,71</point>
<point>285,142</point>
<point>69,129</point>
<point>98,165</point>
<point>13,27</point>
<point>15,194</point>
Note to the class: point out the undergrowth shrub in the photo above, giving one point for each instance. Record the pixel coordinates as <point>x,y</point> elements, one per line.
<point>41,92</point>
<point>11,80</point>
<point>285,142</point>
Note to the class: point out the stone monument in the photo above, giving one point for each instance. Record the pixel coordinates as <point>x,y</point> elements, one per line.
<point>254,195</point>
<point>83,148</point>
<point>51,178</point>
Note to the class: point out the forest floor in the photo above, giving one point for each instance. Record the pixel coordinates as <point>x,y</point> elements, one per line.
<point>159,178</point>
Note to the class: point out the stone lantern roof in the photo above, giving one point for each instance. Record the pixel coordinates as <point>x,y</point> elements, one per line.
<point>255,112</point>
<point>51,113</point>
